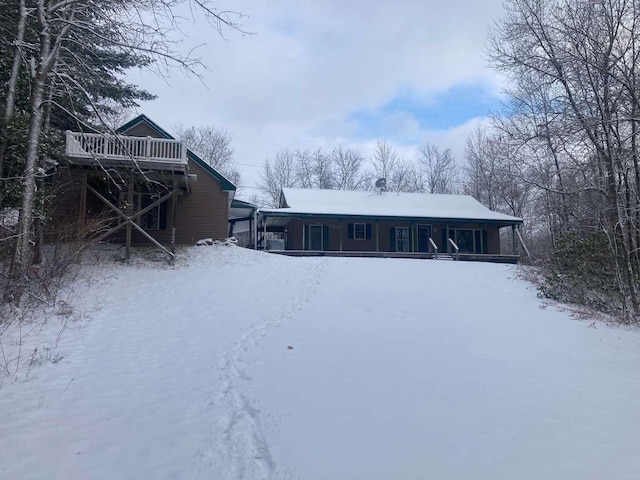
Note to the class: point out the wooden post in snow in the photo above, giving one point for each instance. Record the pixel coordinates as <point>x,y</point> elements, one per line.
<point>264,234</point>
<point>174,206</point>
<point>129,212</point>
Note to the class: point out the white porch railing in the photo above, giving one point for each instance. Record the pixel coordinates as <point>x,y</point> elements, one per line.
<point>456,249</point>
<point>434,247</point>
<point>120,147</point>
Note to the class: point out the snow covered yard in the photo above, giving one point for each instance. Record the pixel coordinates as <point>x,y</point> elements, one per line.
<point>399,369</point>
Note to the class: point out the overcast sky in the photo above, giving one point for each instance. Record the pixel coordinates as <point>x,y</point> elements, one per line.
<point>324,73</point>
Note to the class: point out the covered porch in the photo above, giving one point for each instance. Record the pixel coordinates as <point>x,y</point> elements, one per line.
<point>128,187</point>
<point>379,236</point>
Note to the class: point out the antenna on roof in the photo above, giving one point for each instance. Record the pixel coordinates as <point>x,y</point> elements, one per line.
<point>381,185</point>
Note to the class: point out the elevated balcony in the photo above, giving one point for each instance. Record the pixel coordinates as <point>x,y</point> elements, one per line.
<point>146,153</point>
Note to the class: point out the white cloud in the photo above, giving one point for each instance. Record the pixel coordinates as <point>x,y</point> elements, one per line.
<point>311,64</point>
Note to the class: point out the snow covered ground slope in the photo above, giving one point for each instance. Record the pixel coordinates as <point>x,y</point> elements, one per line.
<point>399,369</point>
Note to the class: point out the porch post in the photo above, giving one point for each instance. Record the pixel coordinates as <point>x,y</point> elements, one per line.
<point>482,229</point>
<point>174,206</point>
<point>264,234</point>
<point>129,212</point>
<point>254,229</point>
<point>340,234</point>
<point>414,229</point>
<point>446,238</point>
<point>377,236</point>
<point>513,239</point>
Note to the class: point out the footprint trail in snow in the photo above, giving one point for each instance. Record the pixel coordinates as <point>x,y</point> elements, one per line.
<point>237,448</point>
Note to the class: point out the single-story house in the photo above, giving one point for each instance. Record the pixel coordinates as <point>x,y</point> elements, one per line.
<point>314,220</point>
<point>144,185</point>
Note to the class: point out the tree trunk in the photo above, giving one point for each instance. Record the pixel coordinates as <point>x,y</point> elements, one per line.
<point>22,251</point>
<point>13,79</point>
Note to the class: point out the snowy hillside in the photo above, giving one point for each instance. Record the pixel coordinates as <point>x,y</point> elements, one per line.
<point>244,365</point>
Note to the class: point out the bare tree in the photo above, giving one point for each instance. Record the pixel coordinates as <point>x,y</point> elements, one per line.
<point>348,167</point>
<point>438,169</point>
<point>481,168</point>
<point>572,66</point>
<point>277,174</point>
<point>213,145</point>
<point>323,174</point>
<point>385,160</point>
<point>304,168</point>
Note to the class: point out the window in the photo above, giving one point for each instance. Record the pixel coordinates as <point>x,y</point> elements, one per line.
<point>402,240</point>
<point>154,219</point>
<point>359,231</point>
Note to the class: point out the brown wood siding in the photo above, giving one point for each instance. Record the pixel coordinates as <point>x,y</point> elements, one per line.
<point>493,240</point>
<point>204,213</point>
<point>382,228</point>
<point>141,130</point>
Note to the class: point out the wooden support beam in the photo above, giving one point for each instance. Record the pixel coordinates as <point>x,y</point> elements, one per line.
<point>174,206</point>
<point>254,229</point>
<point>414,234</point>
<point>377,237</point>
<point>523,244</point>
<point>136,215</point>
<point>341,235</point>
<point>128,220</point>
<point>127,254</point>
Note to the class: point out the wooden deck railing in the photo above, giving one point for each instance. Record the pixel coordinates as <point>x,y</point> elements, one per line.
<point>121,147</point>
<point>455,248</point>
<point>434,247</point>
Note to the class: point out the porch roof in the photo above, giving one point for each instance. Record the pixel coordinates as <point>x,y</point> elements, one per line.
<point>305,203</point>
<point>241,210</point>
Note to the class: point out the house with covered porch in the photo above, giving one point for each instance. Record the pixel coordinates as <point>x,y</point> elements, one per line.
<point>366,223</point>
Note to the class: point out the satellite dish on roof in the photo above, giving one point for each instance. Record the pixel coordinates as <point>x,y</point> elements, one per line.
<point>381,184</point>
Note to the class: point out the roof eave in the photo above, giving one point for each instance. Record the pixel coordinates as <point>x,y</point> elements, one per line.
<point>503,222</point>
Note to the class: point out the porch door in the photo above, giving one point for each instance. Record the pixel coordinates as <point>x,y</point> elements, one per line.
<point>402,239</point>
<point>424,233</point>
<point>315,237</point>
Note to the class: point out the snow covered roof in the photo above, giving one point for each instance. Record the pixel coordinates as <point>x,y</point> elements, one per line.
<point>388,204</point>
